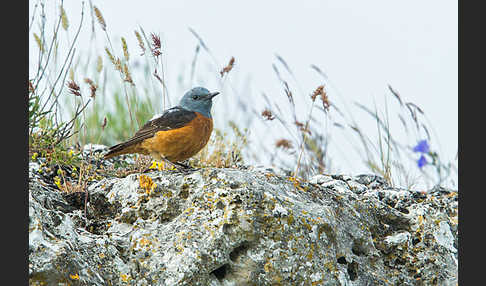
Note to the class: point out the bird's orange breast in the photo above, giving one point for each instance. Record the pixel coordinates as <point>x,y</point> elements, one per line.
<point>182,143</point>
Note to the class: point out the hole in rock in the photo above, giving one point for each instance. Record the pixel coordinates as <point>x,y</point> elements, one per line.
<point>353,270</point>
<point>221,272</point>
<point>220,205</point>
<point>358,248</point>
<point>342,260</point>
<point>184,194</point>
<point>238,251</point>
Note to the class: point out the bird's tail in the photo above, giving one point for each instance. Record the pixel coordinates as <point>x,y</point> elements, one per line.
<point>122,148</point>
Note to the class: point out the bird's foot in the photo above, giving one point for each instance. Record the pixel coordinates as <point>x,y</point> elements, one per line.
<point>148,170</point>
<point>182,167</point>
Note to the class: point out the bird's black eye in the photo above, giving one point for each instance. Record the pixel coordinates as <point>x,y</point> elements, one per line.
<point>195,97</point>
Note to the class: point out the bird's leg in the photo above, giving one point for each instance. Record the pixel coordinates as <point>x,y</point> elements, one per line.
<point>181,166</point>
<point>157,158</point>
<point>149,169</point>
<point>177,165</point>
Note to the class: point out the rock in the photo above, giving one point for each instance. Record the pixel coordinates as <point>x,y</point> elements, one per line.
<point>94,148</point>
<point>241,227</point>
<point>320,179</point>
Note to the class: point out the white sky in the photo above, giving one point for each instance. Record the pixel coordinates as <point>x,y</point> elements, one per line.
<point>361,45</point>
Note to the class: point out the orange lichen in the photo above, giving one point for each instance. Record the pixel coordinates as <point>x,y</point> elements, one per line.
<point>146,183</point>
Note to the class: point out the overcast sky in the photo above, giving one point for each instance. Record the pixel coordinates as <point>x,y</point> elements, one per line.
<point>361,45</point>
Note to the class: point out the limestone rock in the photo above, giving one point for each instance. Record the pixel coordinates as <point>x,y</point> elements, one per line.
<point>241,227</point>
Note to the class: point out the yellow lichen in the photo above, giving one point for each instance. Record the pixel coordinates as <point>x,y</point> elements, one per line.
<point>330,266</point>
<point>146,183</point>
<point>268,266</point>
<point>310,254</point>
<point>290,219</point>
<point>125,277</point>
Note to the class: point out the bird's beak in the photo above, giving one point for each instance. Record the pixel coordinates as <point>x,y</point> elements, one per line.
<point>213,94</point>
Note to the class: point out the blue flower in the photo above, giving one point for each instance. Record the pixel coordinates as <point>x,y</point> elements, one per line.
<point>422,147</point>
<point>421,161</point>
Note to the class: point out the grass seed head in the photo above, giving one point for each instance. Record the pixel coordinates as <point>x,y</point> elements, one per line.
<point>156,45</point>
<point>104,124</point>
<point>228,67</point>
<point>100,18</point>
<point>74,88</point>
<point>92,87</point>
<point>64,19</point>
<point>267,114</point>
<point>31,87</point>
<point>125,49</point>
<point>126,72</point>
<point>140,42</point>
<point>284,144</point>
<point>99,64</point>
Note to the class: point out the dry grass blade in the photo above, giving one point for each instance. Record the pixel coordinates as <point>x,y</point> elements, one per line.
<point>288,92</point>
<point>373,114</point>
<point>275,69</point>
<point>415,106</point>
<point>412,114</point>
<point>66,131</point>
<point>39,42</point>
<point>156,75</point>
<point>319,71</point>
<point>228,67</point>
<point>396,94</point>
<point>404,123</point>
<point>284,63</point>
<point>339,125</point>
<point>426,131</point>
<point>100,18</point>
<point>194,60</point>
<point>201,42</point>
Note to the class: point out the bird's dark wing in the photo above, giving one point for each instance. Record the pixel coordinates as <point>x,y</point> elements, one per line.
<point>172,118</point>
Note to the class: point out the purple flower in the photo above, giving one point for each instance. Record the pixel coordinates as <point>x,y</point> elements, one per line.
<point>422,147</point>
<point>421,161</point>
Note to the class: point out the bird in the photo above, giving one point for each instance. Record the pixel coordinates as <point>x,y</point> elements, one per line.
<point>177,134</point>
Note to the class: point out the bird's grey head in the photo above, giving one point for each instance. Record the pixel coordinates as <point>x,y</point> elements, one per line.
<point>198,99</point>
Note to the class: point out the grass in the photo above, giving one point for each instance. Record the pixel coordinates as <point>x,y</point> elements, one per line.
<point>104,95</point>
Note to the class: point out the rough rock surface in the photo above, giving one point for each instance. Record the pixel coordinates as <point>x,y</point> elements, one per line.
<point>241,227</point>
